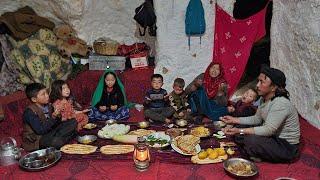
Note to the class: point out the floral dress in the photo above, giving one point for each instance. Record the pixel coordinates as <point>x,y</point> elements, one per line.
<point>68,112</point>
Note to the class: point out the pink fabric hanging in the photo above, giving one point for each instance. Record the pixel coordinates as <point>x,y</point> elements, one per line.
<point>233,40</point>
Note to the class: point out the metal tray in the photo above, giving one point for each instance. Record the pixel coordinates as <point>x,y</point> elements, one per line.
<point>49,158</point>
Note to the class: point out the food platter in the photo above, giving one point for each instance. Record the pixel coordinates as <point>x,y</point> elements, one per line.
<point>158,140</point>
<point>40,160</point>
<point>108,131</point>
<point>239,167</point>
<point>200,131</point>
<point>195,159</point>
<point>178,150</point>
<point>186,145</point>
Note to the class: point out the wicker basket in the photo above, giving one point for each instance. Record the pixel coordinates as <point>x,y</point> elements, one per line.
<point>106,46</point>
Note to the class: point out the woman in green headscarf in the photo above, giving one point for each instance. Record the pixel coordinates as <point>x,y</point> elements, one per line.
<point>109,99</point>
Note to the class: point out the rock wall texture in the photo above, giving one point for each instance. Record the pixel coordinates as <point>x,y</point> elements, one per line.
<point>295,38</point>
<point>295,49</point>
<point>91,18</point>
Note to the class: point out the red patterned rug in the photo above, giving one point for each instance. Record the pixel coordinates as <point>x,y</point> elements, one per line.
<point>307,167</point>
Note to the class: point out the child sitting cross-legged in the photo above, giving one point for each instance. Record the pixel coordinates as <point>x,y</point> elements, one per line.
<point>244,107</point>
<point>41,126</point>
<point>179,101</point>
<point>109,99</point>
<point>156,101</point>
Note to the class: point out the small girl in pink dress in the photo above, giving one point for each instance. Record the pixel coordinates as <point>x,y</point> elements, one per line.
<point>61,99</point>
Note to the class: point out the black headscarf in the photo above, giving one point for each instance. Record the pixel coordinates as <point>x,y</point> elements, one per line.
<point>277,77</point>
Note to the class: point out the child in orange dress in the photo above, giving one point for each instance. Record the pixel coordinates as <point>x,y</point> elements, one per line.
<point>61,99</point>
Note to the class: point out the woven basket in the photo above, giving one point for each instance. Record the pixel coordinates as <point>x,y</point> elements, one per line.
<point>106,46</point>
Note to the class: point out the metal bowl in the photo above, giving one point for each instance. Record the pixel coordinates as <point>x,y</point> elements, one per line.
<point>233,161</point>
<point>143,124</point>
<point>218,125</point>
<point>86,139</point>
<point>111,121</point>
<point>202,136</point>
<point>181,122</point>
<point>90,126</point>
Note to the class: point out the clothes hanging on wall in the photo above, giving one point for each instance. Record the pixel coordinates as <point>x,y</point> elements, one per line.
<point>233,40</point>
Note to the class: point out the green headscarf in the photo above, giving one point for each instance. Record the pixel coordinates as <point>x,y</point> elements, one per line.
<point>99,90</point>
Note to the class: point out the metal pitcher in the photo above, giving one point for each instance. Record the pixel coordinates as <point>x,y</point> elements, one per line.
<point>9,152</point>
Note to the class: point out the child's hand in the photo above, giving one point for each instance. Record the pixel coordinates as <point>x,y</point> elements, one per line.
<point>188,110</point>
<point>166,97</point>
<point>167,121</point>
<point>113,107</point>
<point>56,112</point>
<point>85,110</point>
<point>230,109</point>
<point>181,114</point>
<point>147,100</point>
<point>102,108</point>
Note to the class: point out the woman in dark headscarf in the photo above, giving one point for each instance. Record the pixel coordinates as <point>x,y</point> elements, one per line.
<point>208,93</point>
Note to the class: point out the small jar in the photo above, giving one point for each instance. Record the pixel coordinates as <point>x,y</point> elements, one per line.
<point>141,155</point>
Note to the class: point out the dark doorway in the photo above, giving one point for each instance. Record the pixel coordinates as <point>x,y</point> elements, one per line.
<point>260,51</point>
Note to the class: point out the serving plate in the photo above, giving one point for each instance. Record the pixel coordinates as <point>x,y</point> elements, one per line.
<point>232,161</point>
<point>203,136</point>
<point>40,160</point>
<point>178,150</point>
<point>108,131</point>
<point>154,140</point>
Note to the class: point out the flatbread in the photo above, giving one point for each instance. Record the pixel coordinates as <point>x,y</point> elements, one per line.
<point>116,149</point>
<point>141,132</point>
<point>78,149</point>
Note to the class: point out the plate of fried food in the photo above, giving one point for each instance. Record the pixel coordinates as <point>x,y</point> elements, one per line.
<point>186,145</point>
<point>239,167</point>
<point>200,131</point>
<point>108,131</point>
<point>90,126</point>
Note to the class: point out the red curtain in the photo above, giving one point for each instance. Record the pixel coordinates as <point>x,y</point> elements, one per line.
<point>233,40</point>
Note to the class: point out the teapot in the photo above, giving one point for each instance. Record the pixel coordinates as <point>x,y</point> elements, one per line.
<point>9,152</point>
